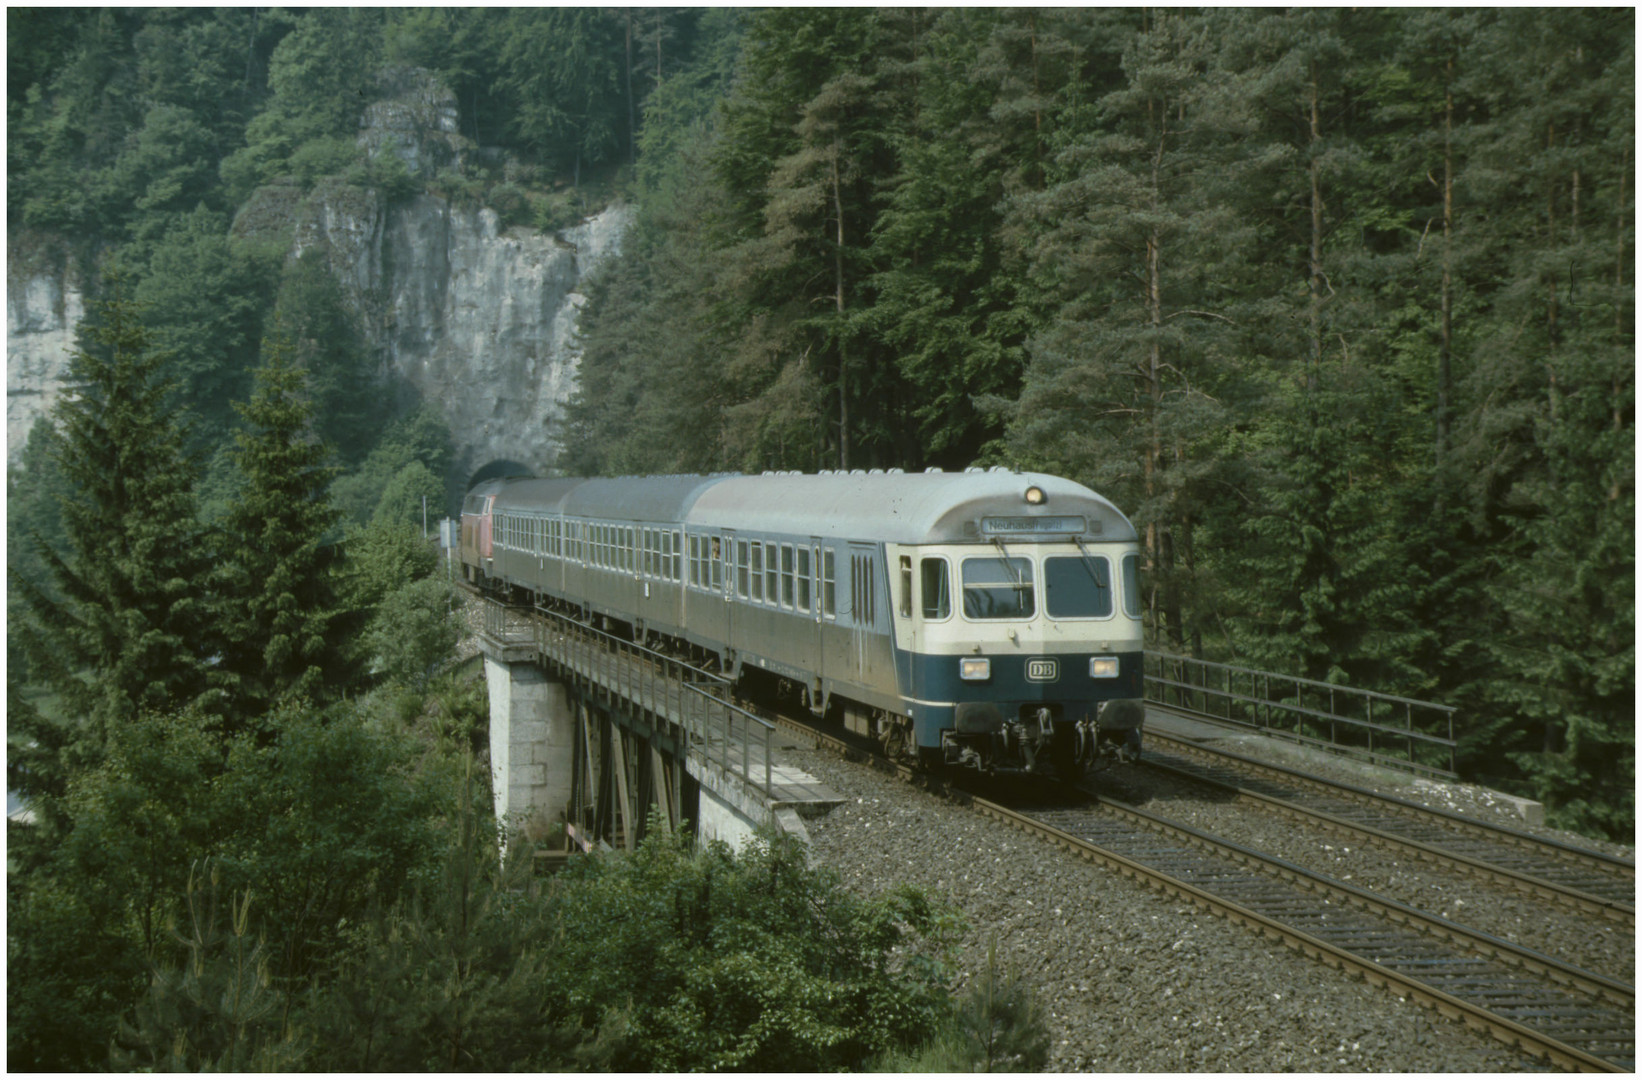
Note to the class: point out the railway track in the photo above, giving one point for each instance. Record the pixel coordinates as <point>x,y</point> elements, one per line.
<point>1588,882</point>
<point>1571,1018</point>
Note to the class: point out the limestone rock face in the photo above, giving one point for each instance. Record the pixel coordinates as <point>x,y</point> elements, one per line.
<point>43,303</point>
<point>416,116</point>
<point>481,321</point>
<point>474,318</point>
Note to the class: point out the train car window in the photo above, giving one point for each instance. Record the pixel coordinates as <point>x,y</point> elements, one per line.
<point>829,584</point>
<point>1077,587</point>
<point>772,573</point>
<point>788,592</point>
<point>678,555</point>
<point>695,560</point>
<point>756,571</point>
<point>906,586</point>
<point>1131,586</point>
<point>741,561</point>
<point>935,588</point>
<point>803,578</point>
<point>718,567</point>
<point>997,588</point>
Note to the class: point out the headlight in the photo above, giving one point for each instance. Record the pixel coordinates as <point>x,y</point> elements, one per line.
<point>1103,667</point>
<point>974,669</point>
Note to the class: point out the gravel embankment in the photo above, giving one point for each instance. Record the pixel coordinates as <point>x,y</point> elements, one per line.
<point>1132,981</point>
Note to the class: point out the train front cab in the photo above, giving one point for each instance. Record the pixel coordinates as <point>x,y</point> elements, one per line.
<point>476,549</point>
<point>1021,653</point>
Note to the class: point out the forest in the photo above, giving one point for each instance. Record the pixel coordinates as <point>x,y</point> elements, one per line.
<point>1336,303</point>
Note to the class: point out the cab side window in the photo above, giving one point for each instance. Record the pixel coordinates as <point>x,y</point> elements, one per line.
<point>935,589</point>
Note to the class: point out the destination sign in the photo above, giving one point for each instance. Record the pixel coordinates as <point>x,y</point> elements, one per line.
<point>1016,526</point>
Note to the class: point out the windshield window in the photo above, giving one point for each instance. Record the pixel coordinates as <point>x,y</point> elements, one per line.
<point>1076,587</point>
<point>996,588</point>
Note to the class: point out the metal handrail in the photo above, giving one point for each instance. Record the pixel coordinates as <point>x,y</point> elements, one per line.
<point>619,668</point>
<point>1266,708</point>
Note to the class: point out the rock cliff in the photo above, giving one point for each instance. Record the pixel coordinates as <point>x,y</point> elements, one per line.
<point>44,301</point>
<point>464,313</point>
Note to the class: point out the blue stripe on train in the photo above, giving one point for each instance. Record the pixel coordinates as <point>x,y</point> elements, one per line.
<point>935,679</point>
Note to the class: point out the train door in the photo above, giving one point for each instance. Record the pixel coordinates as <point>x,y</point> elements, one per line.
<point>724,573</point>
<point>863,610</point>
<point>812,572</point>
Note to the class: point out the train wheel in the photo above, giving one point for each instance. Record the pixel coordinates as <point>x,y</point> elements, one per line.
<point>894,739</point>
<point>1065,753</point>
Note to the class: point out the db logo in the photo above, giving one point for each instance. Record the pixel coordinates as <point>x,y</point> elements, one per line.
<point>1042,669</point>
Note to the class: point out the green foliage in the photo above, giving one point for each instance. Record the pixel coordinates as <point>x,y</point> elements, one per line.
<point>71,970</point>
<point>1336,303</point>
<point>319,75</point>
<point>749,962</point>
<point>560,66</point>
<point>315,318</point>
<point>451,980</point>
<point>216,1011</point>
<point>415,630</point>
<point>384,557</point>
<point>997,1026</point>
<point>278,613</point>
<point>121,627</point>
<point>419,439</point>
<point>331,819</point>
<point>204,298</point>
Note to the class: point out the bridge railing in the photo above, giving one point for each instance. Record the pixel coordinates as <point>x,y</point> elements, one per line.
<point>715,731</point>
<point>1383,729</point>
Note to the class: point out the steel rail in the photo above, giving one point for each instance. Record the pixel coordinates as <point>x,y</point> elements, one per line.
<point>1589,881</point>
<point>1618,997</point>
<point>1613,1002</point>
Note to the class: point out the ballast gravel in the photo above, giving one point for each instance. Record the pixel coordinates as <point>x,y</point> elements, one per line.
<point>1131,980</point>
<point>1601,946</point>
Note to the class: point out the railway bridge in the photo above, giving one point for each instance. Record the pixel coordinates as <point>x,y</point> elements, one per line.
<point>599,736</point>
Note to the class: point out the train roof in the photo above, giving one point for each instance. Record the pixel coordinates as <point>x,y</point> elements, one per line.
<point>905,508</point>
<point>909,508</point>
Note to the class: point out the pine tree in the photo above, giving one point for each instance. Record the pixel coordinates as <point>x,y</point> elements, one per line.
<point>1125,387</point>
<point>279,607</point>
<point>125,628</point>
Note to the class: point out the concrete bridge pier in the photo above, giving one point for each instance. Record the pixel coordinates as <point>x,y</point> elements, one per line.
<point>532,735</point>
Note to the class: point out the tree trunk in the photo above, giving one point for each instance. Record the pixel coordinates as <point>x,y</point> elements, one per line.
<point>1445,346</point>
<point>838,280</point>
<point>1316,312</point>
<point>632,129</point>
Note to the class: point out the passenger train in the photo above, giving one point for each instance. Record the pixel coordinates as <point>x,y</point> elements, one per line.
<point>983,619</point>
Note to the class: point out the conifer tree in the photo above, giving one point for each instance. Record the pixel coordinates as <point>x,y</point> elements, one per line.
<point>124,630</point>
<point>280,610</point>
